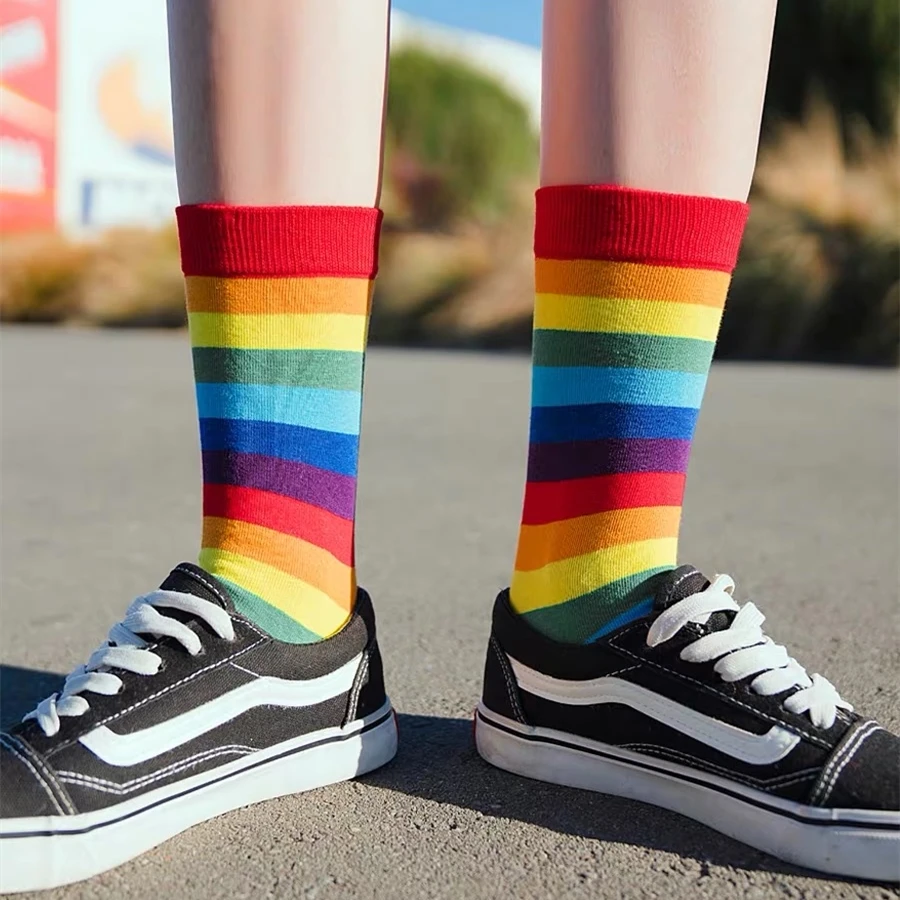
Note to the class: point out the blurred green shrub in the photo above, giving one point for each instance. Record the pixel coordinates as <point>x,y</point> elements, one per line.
<point>846,52</point>
<point>457,142</point>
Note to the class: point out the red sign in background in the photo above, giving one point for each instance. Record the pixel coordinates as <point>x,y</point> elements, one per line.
<point>28,107</point>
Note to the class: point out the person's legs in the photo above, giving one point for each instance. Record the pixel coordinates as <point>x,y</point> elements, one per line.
<point>257,674</point>
<point>651,115</point>
<point>608,668</point>
<point>654,95</point>
<point>278,130</point>
<point>279,103</point>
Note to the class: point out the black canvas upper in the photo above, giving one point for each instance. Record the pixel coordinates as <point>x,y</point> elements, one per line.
<point>44,775</point>
<point>853,764</point>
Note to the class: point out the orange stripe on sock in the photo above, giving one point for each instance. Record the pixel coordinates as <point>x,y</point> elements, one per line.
<point>630,281</point>
<point>256,296</point>
<point>543,544</point>
<point>293,556</point>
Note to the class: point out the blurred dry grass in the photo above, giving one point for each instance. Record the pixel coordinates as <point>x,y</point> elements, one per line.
<point>128,277</point>
<point>817,280</point>
<point>819,274</point>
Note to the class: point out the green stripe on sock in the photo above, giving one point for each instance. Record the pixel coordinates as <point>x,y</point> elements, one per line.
<point>644,351</point>
<point>271,619</point>
<point>574,621</point>
<point>333,369</point>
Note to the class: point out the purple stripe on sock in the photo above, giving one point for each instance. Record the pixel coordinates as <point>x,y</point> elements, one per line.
<point>327,490</point>
<point>583,459</point>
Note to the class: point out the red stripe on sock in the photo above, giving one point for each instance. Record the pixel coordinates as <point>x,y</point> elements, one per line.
<point>278,241</point>
<point>604,221</point>
<point>554,501</point>
<point>283,514</point>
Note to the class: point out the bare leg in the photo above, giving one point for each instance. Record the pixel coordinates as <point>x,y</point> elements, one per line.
<point>654,94</point>
<point>278,108</point>
<point>651,112</point>
<point>278,102</point>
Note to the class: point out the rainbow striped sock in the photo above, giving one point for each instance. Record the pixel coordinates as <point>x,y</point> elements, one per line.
<point>278,306</point>
<point>630,287</point>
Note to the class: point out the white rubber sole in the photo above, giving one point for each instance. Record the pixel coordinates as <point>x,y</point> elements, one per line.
<point>50,851</point>
<point>850,843</point>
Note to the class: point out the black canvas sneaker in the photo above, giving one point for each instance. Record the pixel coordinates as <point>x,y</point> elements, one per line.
<point>188,711</point>
<point>694,709</point>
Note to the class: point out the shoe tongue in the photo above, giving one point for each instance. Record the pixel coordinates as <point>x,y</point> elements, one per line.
<point>186,578</point>
<point>678,584</point>
<point>681,583</point>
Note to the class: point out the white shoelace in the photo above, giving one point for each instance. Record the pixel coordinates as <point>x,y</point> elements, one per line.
<point>126,649</point>
<point>746,651</point>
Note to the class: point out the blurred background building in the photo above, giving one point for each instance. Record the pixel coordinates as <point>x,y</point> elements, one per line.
<point>87,184</point>
<point>85,120</point>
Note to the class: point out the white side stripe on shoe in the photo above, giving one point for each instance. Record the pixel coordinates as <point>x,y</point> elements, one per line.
<point>139,746</point>
<point>756,749</point>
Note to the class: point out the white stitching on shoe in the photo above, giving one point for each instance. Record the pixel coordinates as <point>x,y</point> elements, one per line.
<point>161,693</point>
<point>112,787</point>
<point>356,689</point>
<point>693,761</point>
<point>242,669</point>
<point>7,741</point>
<point>47,771</point>
<point>511,687</point>
<point>173,765</point>
<point>682,578</point>
<point>836,759</point>
<point>204,581</point>
<point>834,768</point>
<point>847,758</point>
<point>620,671</point>
<point>816,740</point>
<point>218,592</point>
<point>761,784</point>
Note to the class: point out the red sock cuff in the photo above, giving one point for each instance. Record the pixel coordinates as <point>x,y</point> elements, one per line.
<point>278,241</point>
<point>604,221</point>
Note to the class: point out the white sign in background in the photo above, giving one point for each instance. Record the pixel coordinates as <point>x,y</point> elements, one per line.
<point>115,159</point>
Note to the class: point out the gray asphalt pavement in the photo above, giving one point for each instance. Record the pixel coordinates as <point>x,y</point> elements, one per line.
<point>793,490</point>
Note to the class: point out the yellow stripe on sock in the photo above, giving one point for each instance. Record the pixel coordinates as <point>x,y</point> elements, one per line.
<point>558,582</point>
<point>326,331</point>
<point>577,313</point>
<point>630,281</point>
<point>304,603</point>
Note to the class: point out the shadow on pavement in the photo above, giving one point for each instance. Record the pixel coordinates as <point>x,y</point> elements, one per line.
<point>22,689</point>
<point>437,761</point>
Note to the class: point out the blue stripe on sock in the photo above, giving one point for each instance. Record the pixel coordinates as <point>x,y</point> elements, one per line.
<point>592,422</point>
<point>564,386</point>
<point>319,408</point>
<point>630,615</point>
<point>323,449</point>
